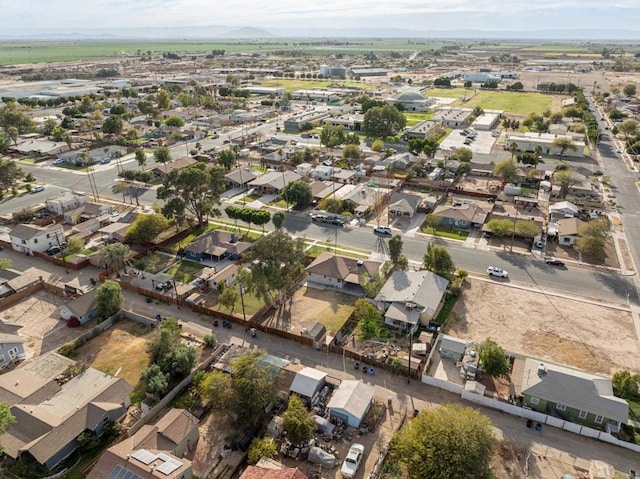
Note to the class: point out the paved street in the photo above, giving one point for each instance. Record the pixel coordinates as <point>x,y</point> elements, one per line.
<point>552,442</point>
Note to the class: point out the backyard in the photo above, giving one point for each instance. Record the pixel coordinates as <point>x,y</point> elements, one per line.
<point>119,351</point>
<point>185,271</point>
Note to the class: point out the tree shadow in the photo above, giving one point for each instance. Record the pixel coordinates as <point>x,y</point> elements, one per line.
<point>622,286</point>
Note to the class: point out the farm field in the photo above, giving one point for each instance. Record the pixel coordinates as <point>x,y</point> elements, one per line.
<point>291,85</point>
<point>590,337</point>
<point>510,102</point>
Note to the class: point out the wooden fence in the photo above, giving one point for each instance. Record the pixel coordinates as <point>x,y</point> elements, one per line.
<point>19,295</point>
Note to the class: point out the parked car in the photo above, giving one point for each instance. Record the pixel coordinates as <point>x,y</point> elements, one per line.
<point>499,272</point>
<point>555,262</point>
<point>37,189</point>
<point>352,461</point>
<point>382,230</point>
<point>59,161</point>
<point>53,251</point>
<point>159,286</point>
<point>540,244</point>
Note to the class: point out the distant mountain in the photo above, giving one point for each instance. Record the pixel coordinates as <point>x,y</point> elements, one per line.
<point>248,32</point>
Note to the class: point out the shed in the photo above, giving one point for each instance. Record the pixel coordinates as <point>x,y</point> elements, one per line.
<point>308,383</point>
<point>351,402</point>
<point>452,348</point>
<point>80,310</point>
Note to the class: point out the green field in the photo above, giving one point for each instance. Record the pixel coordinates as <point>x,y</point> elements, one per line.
<point>517,103</point>
<point>415,118</point>
<point>292,85</point>
<point>17,52</point>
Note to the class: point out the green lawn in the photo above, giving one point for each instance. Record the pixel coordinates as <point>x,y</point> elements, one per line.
<point>446,232</point>
<point>316,251</point>
<point>251,305</point>
<point>517,103</point>
<point>415,118</point>
<point>447,307</point>
<point>185,271</point>
<point>155,262</point>
<point>291,84</point>
<point>280,203</point>
<point>71,166</point>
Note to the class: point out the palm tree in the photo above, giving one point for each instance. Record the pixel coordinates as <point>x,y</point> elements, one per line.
<point>116,256</point>
<point>513,149</point>
<point>141,158</point>
<point>537,151</point>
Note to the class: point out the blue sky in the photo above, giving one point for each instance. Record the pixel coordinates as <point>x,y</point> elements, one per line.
<point>413,14</point>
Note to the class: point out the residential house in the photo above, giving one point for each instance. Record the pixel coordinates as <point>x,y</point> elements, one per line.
<point>11,349</point>
<point>258,472</point>
<point>216,245</point>
<point>154,451</point>
<point>411,298</point>
<point>568,230</point>
<point>214,278</point>
<point>363,198</point>
<point>337,271</point>
<point>402,161</point>
<point>403,204</point>
<point>27,238</point>
<point>86,156</point>
<point>568,393</point>
<point>87,211</point>
<point>239,178</point>
<point>38,146</point>
<point>350,402</point>
<point>114,231</point>
<point>411,101</point>
<point>67,201</point>
<point>274,182</point>
<point>80,310</point>
<point>460,215</point>
<point>50,416</point>
<point>563,209</point>
<point>322,189</point>
<point>161,171</point>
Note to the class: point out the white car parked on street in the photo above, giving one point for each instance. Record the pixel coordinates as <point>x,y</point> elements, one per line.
<point>500,273</point>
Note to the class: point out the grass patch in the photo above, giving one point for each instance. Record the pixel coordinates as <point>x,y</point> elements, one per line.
<point>518,103</point>
<point>315,251</point>
<point>446,232</point>
<point>154,262</point>
<point>185,271</point>
<point>447,307</point>
<point>415,118</point>
<point>29,159</point>
<point>251,305</point>
<point>71,166</point>
<point>634,409</point>
<point>280,203</point>
<point>292,84</point>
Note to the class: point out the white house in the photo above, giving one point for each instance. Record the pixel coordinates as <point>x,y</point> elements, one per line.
<point>563,209</point>
<point>411,298</point>
<point>29,238</point>
<point>568,230</point>
<point>65,202</point>
<point>82,309</point>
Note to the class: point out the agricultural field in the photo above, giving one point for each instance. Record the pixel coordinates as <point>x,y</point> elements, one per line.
<point>515,103</point>
<point>292,85</point>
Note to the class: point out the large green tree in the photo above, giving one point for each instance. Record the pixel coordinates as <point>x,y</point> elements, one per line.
<point>383,121</point>
<point>564,143</point>
<point>12,116</point>
<point>446,442</point>
<point>167,349</point>
<point>566,179</point>
<point>195,188</point>
<point>112,125</point>
<point>494,359</point>
<point>146,227</point>
<point>625,385</point>
<point>369,319</point>
<point>10,173</point>
<point>115,255</point>
<point>438,260</point>
<point>399,261</point>
<point>593,237</point>
<point>261,447</point>
<point>299,193</point>
<point>227,159</point>
<point>462,154</point>
<point>506,170</point>
<point>500,227</point>
<point>277,263</point>
<point>332,136</point>
<point>109,299</point>
<point>162,155</point>
<point>297,422</point>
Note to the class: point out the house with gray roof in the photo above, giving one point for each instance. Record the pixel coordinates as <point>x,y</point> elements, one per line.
<point>403,204</point>
<point>216,245</point>
<point>411,298</point>
<point>460,215</point>
<point>50,414</point>
<point>240,177</point>
<point>274,182</point>
<point>154,451</point>
<point>28,238</point>
<point>568,393</point>
<point>337,271</point>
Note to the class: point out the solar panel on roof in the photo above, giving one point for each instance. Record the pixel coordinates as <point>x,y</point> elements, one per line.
<point>144,456</point>
<point>164,457</point>
<point>120,472</point>
<point>169,466</point>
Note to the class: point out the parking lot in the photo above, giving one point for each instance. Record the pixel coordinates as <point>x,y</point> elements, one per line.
<point>483,143</point>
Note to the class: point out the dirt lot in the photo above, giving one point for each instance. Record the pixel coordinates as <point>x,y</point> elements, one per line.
<point>119,351</point>
<point>328,307</point>
<point>41,324</point>
<point>590,337</point>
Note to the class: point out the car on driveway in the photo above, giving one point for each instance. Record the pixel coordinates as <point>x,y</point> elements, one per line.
<point>555,262</point>
<point>540,244</point>
<point>382,230</point>
<point>352,461</point>
<point>498,272</point>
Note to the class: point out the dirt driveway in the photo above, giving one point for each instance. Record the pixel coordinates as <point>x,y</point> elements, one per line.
<point>594,338</point>
<point>41,324</point>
